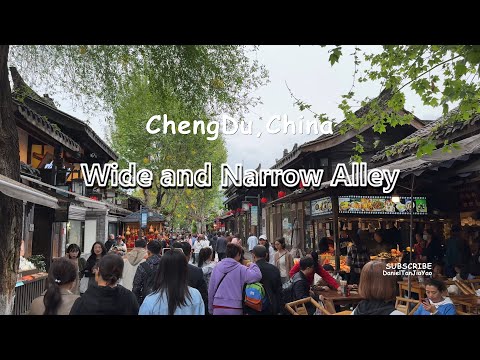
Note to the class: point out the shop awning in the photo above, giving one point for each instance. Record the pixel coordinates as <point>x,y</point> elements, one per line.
<point>225,217</point>
<point>438,159</point>
<point>87,202</point>
<point>24,192</point>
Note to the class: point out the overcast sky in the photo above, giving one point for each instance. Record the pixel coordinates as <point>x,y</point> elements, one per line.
<point>308,73</point>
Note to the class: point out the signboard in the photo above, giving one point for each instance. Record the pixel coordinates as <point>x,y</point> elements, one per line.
<point>254,215</point>
<point>144,218</point>
<point>381,205</point>
<point>321,206</point>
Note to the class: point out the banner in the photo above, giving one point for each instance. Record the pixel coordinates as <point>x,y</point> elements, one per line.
<point>321,206</point>
<point>381,205</point>
<point>254,215</point>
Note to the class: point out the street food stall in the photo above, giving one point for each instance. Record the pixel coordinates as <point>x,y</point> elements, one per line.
<point>155,223</point>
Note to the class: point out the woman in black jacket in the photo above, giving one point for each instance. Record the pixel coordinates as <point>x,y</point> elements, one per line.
<point>106,297</point>
<point>97,252</point>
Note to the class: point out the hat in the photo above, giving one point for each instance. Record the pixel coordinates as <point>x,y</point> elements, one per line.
<point>262,237</point>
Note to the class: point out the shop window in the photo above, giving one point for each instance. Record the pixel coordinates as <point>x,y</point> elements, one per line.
<point>76,233</point>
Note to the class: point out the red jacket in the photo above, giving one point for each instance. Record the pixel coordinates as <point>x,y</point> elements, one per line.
<point>324,274</point>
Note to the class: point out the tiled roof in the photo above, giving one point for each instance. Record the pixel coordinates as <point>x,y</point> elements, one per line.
<point>339,129</point>
<point>39,122</point>
<point>444,128</point>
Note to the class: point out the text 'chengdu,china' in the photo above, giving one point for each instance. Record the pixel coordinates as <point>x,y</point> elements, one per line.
<point>228,125</point>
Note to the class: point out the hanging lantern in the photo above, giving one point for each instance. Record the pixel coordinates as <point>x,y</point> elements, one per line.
<point>151,229</point>
<point>128,231</point>
<point>250,204</point>
<point>263,200</point>
<point>301,186</point>
<point>281,194</point>
<point>156,232</point>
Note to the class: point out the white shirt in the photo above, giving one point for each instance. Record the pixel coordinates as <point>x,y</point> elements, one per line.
<point>271,251</point>
<point>252,241</point>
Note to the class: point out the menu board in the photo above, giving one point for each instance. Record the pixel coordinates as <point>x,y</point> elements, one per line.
<point>381,205</point>
<point>321,206</point>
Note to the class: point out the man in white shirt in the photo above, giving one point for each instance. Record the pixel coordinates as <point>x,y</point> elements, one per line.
<point>271,252</point>
<point>252,241</point>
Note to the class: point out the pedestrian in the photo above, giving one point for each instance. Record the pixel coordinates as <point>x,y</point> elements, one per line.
<point>74,255</point>
<point>132,260</point>
<point>225,291</point>
<point>145,272</point>
<point>171,294</point>
<point>221,245</point>
<point>262,240</point>
<point>106,297</point>
<point>283,260</point>
<point>96,253</point>
<point>58,299</point>
<point>271,282</point>
<point>206,263</point>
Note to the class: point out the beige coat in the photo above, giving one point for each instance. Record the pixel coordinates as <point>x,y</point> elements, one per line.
<point>288,261</point>
<point>68,299</point>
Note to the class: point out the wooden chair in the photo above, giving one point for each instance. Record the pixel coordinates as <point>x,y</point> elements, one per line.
<point>466,306</point>
<point>402,305</point>
<point>298,307</point>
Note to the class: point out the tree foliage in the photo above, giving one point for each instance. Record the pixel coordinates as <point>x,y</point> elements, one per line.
<point>160,151</point>
<point>209,79</point>
<point>441,75</point>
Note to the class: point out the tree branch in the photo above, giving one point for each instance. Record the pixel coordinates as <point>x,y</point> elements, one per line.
<point>426,71</point>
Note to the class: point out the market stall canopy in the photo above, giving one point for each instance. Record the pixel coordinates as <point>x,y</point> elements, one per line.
<point>23,192</point>
<point>153,216</point>
<point>87,202</point>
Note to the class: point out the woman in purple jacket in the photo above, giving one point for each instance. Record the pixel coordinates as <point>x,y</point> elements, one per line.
<point>225,290</point>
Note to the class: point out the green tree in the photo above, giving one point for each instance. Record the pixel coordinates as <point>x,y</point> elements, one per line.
<point>166,151</point>
<point>208,79</point>
<point>441,75</point>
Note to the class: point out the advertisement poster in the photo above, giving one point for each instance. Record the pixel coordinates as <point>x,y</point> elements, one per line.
<point>321,206</point>
<point>379,205</point>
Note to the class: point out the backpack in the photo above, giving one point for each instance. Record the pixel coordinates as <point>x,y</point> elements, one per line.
<point>149,280</point>
<point>287,291</point>
<point>256,297</point>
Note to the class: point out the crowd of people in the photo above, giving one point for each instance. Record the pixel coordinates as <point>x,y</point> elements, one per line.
<point>199,274</point>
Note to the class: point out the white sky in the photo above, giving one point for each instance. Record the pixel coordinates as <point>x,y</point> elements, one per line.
<point>309,75</point>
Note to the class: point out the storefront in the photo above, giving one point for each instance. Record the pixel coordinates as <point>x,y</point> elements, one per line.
<point>131,226</point>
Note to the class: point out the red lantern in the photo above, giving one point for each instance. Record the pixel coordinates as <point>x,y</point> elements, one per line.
<point>263,200</point>
<point>250,204</point>
<point>281,194</point>
<point>301,185</point>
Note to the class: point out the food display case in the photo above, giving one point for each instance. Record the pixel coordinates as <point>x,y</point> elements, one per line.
<point>30,284</point>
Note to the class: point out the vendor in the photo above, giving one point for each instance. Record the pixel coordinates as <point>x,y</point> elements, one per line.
<point>381,245</point>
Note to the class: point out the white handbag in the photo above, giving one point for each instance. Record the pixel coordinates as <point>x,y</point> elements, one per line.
<point>84,284</point>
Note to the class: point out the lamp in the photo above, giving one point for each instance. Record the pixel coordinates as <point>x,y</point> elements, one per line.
<point>395,198</point>
<point>128,231</point>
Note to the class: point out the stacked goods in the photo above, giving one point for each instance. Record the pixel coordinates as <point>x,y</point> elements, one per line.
<point>330,260</point>
<point>393,256</point>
